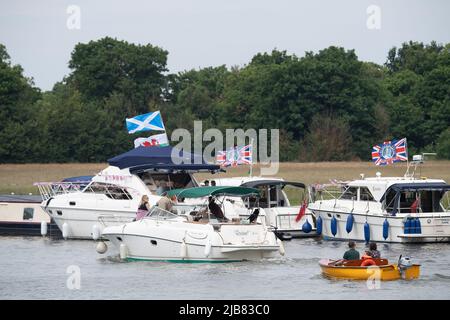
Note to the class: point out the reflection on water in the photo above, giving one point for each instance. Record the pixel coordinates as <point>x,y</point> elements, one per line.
<point>35,268</point>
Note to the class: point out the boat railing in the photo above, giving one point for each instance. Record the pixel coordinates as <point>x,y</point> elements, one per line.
<point>51,189</point>
<point>113,191</point>
<point>326,192</point>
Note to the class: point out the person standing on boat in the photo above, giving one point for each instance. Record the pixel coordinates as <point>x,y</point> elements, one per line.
<point>373,252</point>
<point>351,254</point>
<point>167,203</point>
<point>143,208</point>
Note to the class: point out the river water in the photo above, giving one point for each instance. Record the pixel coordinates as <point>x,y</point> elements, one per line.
<point>39,268</point>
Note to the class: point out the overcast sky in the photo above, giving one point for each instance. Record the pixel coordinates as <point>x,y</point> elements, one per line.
<point>200,33</point>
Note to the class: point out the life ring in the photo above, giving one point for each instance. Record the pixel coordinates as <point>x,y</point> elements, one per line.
<point>368,262</point>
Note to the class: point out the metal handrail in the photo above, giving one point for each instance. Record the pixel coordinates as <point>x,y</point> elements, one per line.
<point>52,189</point>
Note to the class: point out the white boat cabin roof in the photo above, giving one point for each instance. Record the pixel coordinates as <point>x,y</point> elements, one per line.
<point>378,185</point>
<point>237,181</point>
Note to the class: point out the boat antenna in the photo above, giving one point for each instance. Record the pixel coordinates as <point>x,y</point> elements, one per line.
<point>417,160</point>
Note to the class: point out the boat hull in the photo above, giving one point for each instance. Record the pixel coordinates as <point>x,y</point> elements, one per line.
<point>80,223</point>
<point>385,273</point>
<point>434,228</point>
<point>190,242</point>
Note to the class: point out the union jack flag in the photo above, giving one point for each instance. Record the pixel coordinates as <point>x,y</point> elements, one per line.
<point>390,152</point>
<point>235,156</point>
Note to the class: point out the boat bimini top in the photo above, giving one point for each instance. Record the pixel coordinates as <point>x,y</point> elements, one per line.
<point>201,192</point>
<point>165,158</point>
<point>399,197</point>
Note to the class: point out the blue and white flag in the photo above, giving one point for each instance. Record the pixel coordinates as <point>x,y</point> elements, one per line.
<point>145,122</point>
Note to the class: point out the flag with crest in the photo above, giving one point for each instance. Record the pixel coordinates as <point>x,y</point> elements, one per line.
<point>390,152</point>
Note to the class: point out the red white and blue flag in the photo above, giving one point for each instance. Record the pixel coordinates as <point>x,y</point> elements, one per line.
<point>235,156</point>
<point>390,152</point>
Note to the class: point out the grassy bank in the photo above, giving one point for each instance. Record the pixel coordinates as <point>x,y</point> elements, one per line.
<point>19,178</point>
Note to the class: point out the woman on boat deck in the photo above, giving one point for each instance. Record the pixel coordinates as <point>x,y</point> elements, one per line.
<point>373,252</point>
<point>143,208</point>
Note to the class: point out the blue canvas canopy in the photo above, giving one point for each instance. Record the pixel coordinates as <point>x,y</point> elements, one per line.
<point>169,158</point>
<point>78,179</point>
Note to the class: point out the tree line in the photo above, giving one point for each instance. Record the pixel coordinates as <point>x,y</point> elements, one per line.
<point>328,105</point>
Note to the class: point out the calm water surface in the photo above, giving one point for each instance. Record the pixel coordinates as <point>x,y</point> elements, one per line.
<point>36,268</point>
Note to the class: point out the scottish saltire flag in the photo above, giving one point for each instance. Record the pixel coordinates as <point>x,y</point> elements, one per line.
<point>235,156</point>
<point>145,122</point>
<point>390,152</point>
<point>159,140</point>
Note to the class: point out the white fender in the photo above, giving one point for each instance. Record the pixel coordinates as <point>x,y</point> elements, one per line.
<point>101,247</point>
<point>281,247</point>
<point>183,250</point>
<point>95,232</point>
<point>43,228</point>
<point>208,246</point>
<point>123,251</point>
<point>65,230</point>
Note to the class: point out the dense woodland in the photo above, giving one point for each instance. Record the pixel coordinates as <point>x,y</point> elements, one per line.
<point>328,105</point>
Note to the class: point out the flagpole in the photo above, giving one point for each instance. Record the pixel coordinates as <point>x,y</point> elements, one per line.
<point>251,164</point>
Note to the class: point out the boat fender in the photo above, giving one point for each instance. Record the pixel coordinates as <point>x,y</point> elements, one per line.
<point>281,248</point>
<point>350,220</point>
<point>43,228</point>
<point>208,246</point>
<point>123,251</point>
<point>65,230</point>
<point>101,247</point>
<point>368,262</point>
<point>306,228</point>
<point>366,232</point>
<point>183,249</point>
<point>407,226</point>
<point>385,229</point>
<point>418,226</point>
<point>334,226</point>
<point>319,225</point>
<point>95,232</point>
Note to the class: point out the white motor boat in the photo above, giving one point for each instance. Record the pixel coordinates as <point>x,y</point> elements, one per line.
<point>83,209</point>
<point>282,216</point>
<point>386,209</point>
<point>163,235</point>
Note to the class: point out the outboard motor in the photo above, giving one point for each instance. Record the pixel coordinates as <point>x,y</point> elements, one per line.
<point>404,263</point>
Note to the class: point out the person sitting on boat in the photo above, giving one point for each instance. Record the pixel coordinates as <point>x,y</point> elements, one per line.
<point>167,203</point>
<point>351,254</point>
<point>143,208</point>
<point>373,252</point>
<point>215,210</point>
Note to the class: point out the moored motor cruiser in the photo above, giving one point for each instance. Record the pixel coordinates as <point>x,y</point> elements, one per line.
<point>196,233</point>
<point>276,205</point>
<point>386,209</point>
<point>82,209</point>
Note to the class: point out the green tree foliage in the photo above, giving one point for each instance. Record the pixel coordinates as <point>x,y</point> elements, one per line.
<point>106,66</point>
<point>329,105</point>
<point>418,83</point>
<point>17,111</point>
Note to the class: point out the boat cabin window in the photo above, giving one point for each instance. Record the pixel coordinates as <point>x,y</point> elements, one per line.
<point>350,193</point>
<point>271,196</point>
<point>158,182</point>
<point>28,213</point>
<point>160,214</point>
<point>111,191</point>
<point>416,201</point>
<point>365,194</point>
